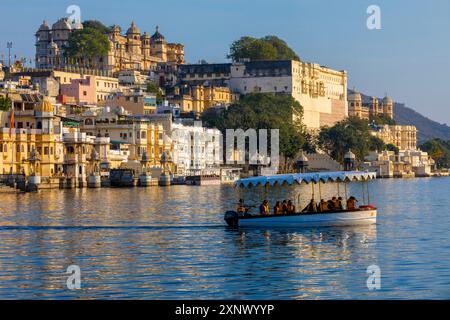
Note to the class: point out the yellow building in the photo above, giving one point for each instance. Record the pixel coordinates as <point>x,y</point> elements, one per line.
<point>139,134</point>
<point>34,129</point>
<point>403,137</point>
<point>199,98</point>
<point>357,108</point>
<point>130,51</point>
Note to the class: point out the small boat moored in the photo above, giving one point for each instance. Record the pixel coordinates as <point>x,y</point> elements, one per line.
<point>362,215</point>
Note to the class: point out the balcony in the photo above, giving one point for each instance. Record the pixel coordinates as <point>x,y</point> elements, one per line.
<point>74,158</point>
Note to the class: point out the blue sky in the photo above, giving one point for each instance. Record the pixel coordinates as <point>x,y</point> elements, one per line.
<point>408,58</point>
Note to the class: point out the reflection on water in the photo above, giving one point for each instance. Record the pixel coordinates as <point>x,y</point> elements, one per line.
<point>158,243</point>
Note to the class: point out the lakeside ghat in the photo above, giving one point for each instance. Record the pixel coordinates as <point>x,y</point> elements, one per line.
<point>144,243</point>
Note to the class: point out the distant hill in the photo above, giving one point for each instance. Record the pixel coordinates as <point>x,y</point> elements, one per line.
<point>427,128</point>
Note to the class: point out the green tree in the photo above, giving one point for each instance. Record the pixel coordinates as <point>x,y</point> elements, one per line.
<point>381,119</point>
<point>352,133</point>
<point>87,44</point>
<point>376,144</point>
<point>5,103</point>
<point>266,48</point>
<point>152,87</point>
<point>263,111</point>
<point>97,25</point>
<point>439,150</point>
<point>391,147</point>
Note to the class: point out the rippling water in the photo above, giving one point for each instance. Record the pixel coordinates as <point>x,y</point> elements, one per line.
<point>171,243</point>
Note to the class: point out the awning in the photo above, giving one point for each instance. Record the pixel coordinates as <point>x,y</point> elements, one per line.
<point>313,177</point>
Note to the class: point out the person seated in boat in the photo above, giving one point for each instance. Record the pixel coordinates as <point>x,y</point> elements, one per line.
<point>339,204</point>
<point>241,207</point>
<point>290,208</point>
<point>284,207</point>
<point>311,207</point>
<point>323,206</point>
<point>351,203</point>
<point>335,203</point>
<point>330,205</point>
<point>278,209</point>
<point>264,208</point>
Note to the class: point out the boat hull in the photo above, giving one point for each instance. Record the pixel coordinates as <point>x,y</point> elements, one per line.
<point>329,219</point>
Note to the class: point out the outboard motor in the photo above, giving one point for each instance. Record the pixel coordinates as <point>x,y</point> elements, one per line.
<point>232,219</point>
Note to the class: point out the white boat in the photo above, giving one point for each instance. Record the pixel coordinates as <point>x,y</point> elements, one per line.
<point>362,215</point>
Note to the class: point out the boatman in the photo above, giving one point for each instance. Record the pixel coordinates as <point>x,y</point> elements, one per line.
<point>264,208</point>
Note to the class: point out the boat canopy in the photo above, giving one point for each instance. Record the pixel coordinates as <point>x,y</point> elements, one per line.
<point>312,177</point>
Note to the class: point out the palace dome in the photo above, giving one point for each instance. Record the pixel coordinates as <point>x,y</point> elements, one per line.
<point>157,36</point>
<point>62,24</point>
<point>44,26</point>
<point>133,29</point>
<point>387,100</point>
<point>44,106</point>
<point>355,96</point>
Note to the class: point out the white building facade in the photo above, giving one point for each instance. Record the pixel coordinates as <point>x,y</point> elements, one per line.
<point>196,150</point>
<point>321,91</point>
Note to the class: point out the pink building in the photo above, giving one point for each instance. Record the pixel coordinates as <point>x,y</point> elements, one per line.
<point>82,91</point>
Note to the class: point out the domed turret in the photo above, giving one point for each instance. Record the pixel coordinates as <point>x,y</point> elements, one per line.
<point>387,100</point>
<point>62,24</point>
<point>349,155</point>
<point>157,36</point>
<point>133,30</point>
<point>354,96</point>
<point>44,26</point>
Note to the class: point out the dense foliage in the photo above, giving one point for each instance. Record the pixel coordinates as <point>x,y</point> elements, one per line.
<point>439,150</point>
<point>266,48</point>
<point>5,103</point>
<point>263,111</point>
<point>391,147</point>
<point>153,88</point>
<point>381,119</point>
<point>97,25</point>
<point>89,43</point>
<point>350,134</point>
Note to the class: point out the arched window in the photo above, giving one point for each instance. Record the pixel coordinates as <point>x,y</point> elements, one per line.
<point>88,122</point>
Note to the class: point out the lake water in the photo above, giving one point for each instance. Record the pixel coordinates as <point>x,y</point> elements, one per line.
<point>172,243</point>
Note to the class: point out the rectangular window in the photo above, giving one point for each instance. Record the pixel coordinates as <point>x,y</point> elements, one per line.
<point>46,150</point>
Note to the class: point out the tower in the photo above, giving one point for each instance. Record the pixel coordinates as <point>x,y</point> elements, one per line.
<point>374,106</point>
<point>134,39</point>
<point>146,48</point>
<point>44,116</point>
<point>43,38</point>
<point>61,30</point>
<point>388,107</point>
<point>355,104</point>
<point>159,45</point>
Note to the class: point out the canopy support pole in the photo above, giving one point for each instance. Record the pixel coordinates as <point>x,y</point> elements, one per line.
<point>346,194</point>
<point>368,193</point>
<point>339,189</point>
<point>363,194</point>
<point>320,191</point>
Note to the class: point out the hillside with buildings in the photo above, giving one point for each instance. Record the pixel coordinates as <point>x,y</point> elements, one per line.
<point>427,129</point>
